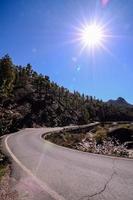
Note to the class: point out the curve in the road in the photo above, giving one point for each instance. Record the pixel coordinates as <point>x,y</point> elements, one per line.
<point>43,185</point>
<point>69,175</point>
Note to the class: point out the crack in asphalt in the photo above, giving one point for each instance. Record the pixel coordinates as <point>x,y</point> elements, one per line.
<point>105,185</point>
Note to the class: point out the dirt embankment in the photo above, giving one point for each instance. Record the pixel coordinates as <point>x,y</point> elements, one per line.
<point>98,140</point>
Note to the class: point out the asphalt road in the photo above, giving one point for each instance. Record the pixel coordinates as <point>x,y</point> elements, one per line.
<point>44,171</point>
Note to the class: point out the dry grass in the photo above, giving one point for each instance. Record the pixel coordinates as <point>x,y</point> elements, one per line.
<point>96,141</point>
<point>2,170</point>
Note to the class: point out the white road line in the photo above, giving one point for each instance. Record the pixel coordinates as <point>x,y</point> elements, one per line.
<point>43,185</point>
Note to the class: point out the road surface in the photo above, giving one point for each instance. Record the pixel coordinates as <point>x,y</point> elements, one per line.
<point>44,171</point>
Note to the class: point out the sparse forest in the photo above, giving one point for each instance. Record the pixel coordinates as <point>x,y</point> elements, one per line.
<point>29,99</point>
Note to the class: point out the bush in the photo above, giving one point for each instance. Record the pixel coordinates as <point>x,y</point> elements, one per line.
<point>100,135</point>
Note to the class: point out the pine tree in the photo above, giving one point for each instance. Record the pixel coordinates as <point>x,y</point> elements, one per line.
<point>7,76</point>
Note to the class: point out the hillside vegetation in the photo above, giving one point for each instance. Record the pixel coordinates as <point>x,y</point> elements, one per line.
<point>29,99</point>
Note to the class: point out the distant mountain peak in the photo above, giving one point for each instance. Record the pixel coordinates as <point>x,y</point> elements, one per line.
<point>120,101</point>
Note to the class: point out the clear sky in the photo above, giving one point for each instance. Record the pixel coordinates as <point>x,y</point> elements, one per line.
<point>44,33</point>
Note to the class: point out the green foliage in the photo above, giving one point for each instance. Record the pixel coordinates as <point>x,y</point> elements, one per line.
<point>7,76</point>
<point>29,99</point>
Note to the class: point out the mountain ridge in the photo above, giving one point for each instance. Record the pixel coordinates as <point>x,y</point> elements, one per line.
<point>120,101</point>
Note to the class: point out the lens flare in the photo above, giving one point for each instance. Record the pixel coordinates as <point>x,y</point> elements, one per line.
<point>105,2</point>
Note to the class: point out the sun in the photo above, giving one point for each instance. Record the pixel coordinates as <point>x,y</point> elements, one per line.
<point>92,35</point>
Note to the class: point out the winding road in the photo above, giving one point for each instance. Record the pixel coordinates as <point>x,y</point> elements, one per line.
<point>44,171</point>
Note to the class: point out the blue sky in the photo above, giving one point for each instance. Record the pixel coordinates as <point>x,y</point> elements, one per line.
<point>40,32</point>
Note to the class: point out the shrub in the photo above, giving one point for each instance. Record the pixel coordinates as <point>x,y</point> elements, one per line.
<point>100,135</point>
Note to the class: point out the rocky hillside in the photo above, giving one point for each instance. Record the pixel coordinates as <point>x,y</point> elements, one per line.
<point>29,99</point>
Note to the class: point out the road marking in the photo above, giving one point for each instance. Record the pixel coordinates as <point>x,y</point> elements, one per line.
<point>43,185</point>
